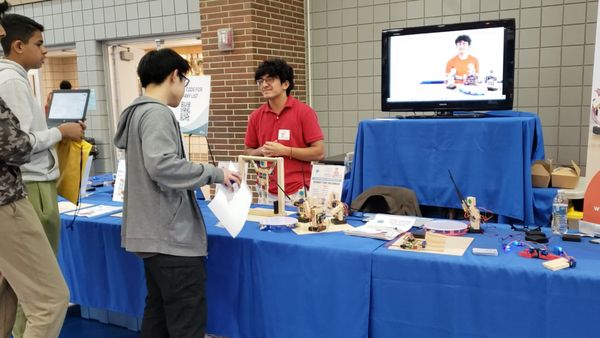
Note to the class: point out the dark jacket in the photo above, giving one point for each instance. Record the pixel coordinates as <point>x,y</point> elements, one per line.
<point>388,200</point>
<point>15,150</point>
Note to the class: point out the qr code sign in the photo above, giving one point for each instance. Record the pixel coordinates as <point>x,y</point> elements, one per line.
<point>185,110</point>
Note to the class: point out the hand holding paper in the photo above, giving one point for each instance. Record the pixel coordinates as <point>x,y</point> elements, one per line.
<point>230,178</point>
<point>231,207</point>
<point>232,195</point>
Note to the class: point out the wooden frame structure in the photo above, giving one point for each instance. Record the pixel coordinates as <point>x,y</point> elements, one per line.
<point>243,159</point>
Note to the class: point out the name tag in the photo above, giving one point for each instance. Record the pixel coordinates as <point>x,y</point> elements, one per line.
<point>284,135</point>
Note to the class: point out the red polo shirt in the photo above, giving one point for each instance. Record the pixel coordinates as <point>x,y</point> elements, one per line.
<point>296,126</point>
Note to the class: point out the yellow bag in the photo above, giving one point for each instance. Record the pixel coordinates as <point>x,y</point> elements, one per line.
<point>72,158</point>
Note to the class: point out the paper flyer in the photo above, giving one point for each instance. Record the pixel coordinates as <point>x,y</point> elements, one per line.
<point>326,179</point>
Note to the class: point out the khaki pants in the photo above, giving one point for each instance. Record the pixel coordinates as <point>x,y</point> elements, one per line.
<point>43,198</point>
<point>29,272</point>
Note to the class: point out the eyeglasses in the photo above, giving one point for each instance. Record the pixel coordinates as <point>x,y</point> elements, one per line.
<point>267,80</point>
<point>185,80</point>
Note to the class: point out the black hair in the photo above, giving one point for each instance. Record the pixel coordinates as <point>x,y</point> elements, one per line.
<point>18,27</point>
<point>156,65</point>
<point>464,38</point>
<point>3,8</point>
<point>276,68</point>
<point>65,84</point>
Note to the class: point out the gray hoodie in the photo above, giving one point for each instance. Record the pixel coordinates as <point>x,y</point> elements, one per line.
<point>160,212</point>
<point>16,92</point>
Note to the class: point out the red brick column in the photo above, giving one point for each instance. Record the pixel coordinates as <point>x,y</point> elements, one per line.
<point>262,29</point>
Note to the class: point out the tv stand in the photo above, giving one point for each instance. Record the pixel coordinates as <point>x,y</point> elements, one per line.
<point>446,114</point>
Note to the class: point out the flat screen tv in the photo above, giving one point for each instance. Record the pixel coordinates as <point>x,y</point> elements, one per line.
<point>445,68</point>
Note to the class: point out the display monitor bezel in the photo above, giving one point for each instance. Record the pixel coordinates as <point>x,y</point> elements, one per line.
<point>505,103</point>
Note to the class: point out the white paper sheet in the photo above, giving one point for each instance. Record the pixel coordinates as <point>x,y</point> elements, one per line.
<point>398,223</point>
<point>367,231</point>
<point>65,206</point>
<point>231,207</point>
<point>119,191</point>
<point>96,210</point>
<point>85,177</point>
<point>384,226</point>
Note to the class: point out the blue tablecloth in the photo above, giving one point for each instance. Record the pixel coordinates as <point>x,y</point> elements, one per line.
<point>278,284</point>
<point>260,284</point>
<point>99,273</point>
<point>428,295</point>
<point>490,158</point>
<point>542,208</point>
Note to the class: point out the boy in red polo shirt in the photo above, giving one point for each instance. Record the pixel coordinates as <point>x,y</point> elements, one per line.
<point>284,127</point>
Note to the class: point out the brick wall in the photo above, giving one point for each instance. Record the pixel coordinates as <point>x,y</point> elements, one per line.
<point>262,29</point>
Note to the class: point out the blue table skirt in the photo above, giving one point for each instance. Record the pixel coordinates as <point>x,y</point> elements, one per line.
<point>278,284</point>
<point>428,295</point>
<point>261,284</point>
<point>542,208</point>
<point>490,158</point>
<point>100,274</point>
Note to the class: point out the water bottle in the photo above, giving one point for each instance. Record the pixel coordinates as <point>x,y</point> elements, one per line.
<point>559,214</point>
<point>348,161</point>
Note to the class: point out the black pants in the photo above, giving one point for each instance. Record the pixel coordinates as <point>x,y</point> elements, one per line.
<point>176,302</point>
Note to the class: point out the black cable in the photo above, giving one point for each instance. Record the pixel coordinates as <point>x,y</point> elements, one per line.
<point>286,195</point>
<point>75,214</point>
<point>303,179</point>
<point>212,157</point>
<point>78,204</point>
<point>278,186</point>
<point>190,147</point>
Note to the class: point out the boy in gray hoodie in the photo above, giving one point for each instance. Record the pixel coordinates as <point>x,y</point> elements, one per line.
<point>161,219</point>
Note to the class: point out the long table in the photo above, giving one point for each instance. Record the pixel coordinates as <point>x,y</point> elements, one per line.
<point>489,157</point>
<point>260,284</point>
<point>427,295</point>
<point>278,284</point>
<point>100,274</point>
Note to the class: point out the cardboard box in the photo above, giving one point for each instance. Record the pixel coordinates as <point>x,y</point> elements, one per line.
<point>566,177</point>
<point>540,173</point>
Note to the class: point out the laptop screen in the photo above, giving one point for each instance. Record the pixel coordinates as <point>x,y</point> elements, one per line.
<point>68,105</point>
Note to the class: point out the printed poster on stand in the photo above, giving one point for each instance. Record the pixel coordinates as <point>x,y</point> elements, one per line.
<point>119,191</point>
<point>326,179</point>
<point>192,112</point>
